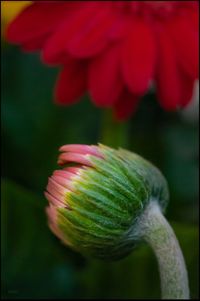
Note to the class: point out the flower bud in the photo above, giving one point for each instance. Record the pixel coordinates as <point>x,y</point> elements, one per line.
<point>96,199</point>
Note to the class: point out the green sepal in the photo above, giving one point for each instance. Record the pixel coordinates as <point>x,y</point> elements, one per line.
<point>106,202</point>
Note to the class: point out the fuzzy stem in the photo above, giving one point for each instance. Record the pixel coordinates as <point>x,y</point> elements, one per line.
<point>155,230</point>
<point>113,133</point>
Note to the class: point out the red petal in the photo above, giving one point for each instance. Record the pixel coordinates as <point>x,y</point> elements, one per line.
<point>71,83</point>
<point>35,21</point>
<point>186,43</point>
<point>35,44</point>
<point>91,35</point>
<point>125,106</point>
<point>105,82</point>
<point>187,89</point>
<point>53,52</point>
<point>118,28</point>
<point>193,18</point>
<point>167,75</point>
<point>138,58</point>
<point>55,48</point>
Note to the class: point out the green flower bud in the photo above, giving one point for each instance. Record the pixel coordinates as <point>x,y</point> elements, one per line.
<point>96,201</point>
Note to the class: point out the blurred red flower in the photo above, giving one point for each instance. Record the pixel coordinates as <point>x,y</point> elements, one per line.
<point>115,49</point>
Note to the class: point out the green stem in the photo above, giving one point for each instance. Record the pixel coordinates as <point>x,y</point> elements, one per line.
<point>155,230</point>
<point>113,133</point>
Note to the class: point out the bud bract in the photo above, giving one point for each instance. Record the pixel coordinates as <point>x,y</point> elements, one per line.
<point>97,197</point>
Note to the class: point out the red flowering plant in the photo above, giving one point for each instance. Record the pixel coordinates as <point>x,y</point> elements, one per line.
<point>104,201</point>
<point>115,50</point>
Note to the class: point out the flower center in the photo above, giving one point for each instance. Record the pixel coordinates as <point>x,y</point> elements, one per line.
<point>160,8</point>
<point>149,9</point>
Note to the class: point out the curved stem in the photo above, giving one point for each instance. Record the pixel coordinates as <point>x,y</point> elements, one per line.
<point>113,133</point>
<point>155,230</point>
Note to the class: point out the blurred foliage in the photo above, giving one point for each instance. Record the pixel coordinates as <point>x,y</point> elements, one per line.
<point>34,263</point>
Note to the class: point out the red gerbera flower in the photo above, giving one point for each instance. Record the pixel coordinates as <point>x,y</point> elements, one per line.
<point>115,49</point>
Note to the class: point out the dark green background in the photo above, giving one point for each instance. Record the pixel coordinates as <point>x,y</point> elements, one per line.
<point>35,264</point>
